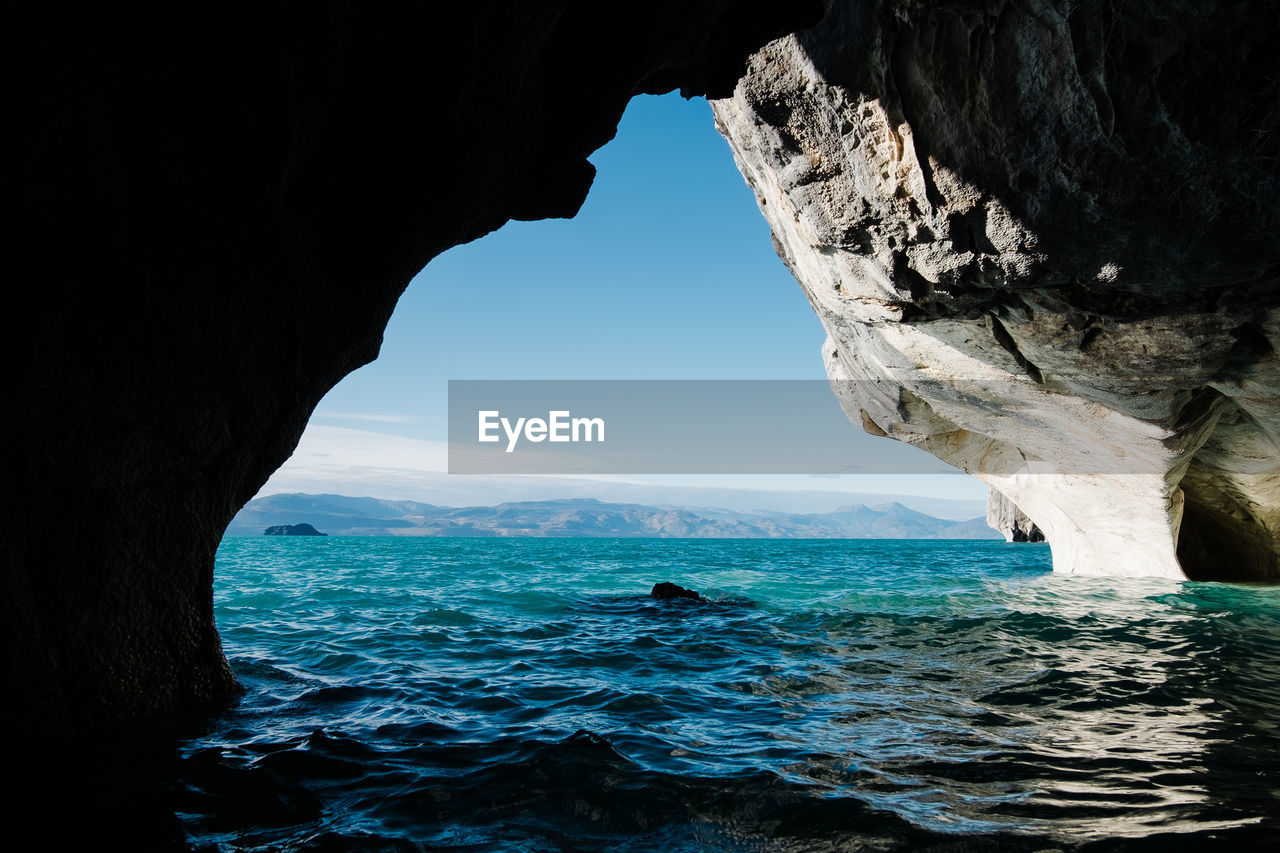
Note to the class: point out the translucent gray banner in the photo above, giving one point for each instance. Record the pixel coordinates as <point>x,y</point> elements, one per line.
<point>665,427</point>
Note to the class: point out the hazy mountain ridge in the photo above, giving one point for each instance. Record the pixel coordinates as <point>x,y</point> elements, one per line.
<point>361,516</point>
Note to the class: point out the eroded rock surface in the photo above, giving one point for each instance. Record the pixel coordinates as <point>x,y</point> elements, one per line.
<point>1012,522</point>
<point>1040,236</point>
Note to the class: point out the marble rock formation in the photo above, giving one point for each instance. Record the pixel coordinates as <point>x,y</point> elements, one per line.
<point>1012,522</point>
<point>1041,238</point>
<point>213,210</point>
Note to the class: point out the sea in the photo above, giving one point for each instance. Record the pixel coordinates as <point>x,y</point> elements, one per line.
<point>412,694</point>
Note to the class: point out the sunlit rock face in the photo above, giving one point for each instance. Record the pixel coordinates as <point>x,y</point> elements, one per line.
<point>213,210</point>
<point>1002,515</point>
<point>1041,238</point>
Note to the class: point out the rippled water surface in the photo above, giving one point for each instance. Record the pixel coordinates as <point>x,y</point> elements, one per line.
<point>526,694</point>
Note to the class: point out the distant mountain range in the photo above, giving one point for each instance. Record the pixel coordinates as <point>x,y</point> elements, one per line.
<point>347,516</point>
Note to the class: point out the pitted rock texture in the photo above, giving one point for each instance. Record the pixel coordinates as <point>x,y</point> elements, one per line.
<point>213,210</point>
<point>1040,236</point>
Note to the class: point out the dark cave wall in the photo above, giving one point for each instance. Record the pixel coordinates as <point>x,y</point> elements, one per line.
<point>212,212</point>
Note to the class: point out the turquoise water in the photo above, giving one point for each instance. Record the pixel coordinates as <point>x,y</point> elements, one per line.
<point>527,694</point>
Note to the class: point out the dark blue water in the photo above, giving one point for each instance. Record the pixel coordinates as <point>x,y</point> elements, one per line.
<point>526,694</point>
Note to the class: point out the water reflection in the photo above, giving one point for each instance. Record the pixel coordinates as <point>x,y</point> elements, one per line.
<point>1074,707</point>
<point>528,694</point>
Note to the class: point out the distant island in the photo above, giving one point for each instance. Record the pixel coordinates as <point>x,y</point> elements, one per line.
<point>587,517</point>
<point>303,529</point>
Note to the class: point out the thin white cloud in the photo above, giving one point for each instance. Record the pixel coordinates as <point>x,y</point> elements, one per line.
<point>336,458</point>
<point>331,414</point>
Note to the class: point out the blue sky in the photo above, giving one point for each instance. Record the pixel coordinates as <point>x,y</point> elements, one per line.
<point>668,272</point>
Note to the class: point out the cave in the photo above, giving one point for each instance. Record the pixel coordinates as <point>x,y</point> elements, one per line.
<point>1213,549</point>
<point>214,211</point>
<point>1225,534</point>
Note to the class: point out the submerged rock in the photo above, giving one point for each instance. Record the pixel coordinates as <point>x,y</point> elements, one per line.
<point>666,590</point>
<point>1040,237</point>
<point>303,529</point>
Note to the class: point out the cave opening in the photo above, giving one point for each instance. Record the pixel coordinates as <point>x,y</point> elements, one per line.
<point>1220,539</point>
<point>667,272</point>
